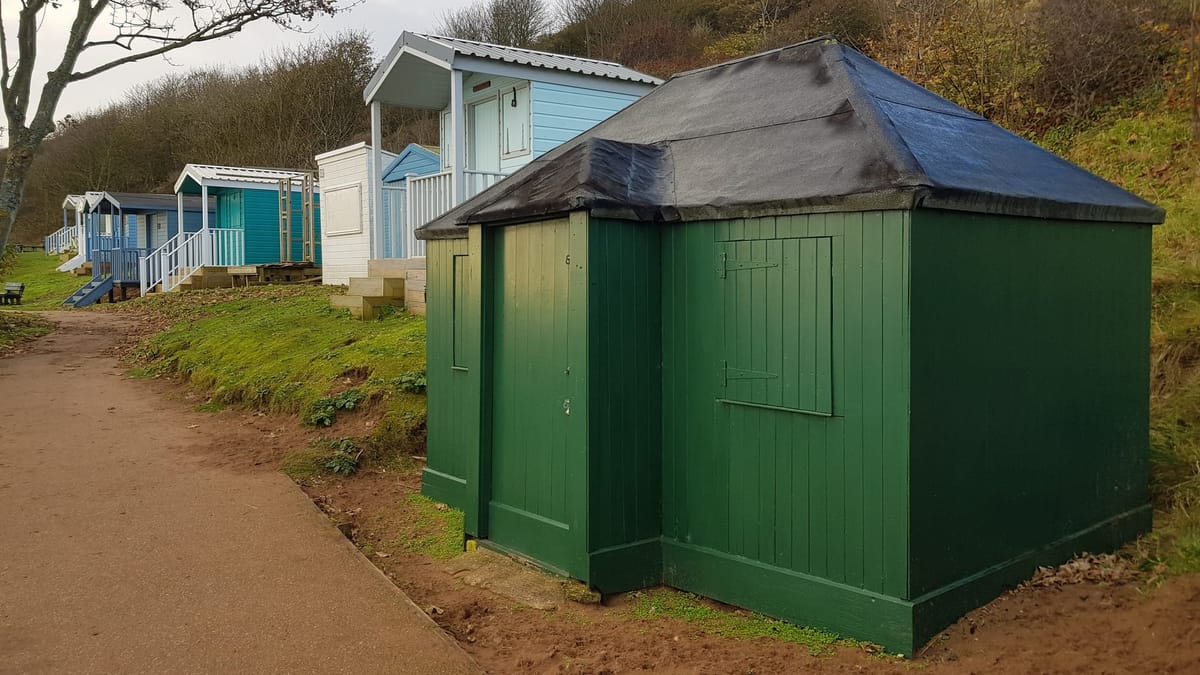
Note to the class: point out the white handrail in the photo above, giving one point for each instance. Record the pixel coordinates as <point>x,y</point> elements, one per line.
<point>181,256</point>
<point>61,240</point>
<point>478,181</point>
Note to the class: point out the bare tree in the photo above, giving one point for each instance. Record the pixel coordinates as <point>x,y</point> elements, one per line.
<point>518,23</point>
<point>134,30</point>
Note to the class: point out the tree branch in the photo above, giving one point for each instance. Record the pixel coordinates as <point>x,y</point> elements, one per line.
<point>209,22</point>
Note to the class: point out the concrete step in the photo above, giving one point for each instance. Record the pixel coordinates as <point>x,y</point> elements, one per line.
<point>363,307</point>
<point>393,267</point>
<point>378,287</point>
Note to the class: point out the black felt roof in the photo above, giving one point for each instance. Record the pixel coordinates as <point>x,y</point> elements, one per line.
<point>816,126</point>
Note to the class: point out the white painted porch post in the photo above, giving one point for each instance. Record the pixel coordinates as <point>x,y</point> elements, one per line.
<point>80,233</point>
<point>206,253</point>
<point>458,147</point>
<point>178,215</point>
<point>378,227</point>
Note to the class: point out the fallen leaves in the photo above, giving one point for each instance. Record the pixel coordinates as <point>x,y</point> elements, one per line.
<point>1105,568</point>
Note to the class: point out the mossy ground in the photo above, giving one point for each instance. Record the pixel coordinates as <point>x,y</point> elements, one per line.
<point>435,530</point>
<point>45,286</point>
<point>283,349</point>
<point>669,603</point>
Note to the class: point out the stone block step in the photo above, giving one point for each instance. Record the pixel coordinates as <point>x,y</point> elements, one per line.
<point>363,307</point>
<point>394,267</point>
<point>377,287</point>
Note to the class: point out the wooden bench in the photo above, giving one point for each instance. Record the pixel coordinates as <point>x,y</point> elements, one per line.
<point>12,293</point>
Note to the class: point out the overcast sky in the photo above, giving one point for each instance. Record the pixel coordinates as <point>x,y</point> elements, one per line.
<point>382,19</point>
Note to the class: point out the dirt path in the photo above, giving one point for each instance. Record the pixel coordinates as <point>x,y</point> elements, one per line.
<point>121,550</point>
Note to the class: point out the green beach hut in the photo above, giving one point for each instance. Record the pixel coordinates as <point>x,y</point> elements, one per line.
<point>795,333</point>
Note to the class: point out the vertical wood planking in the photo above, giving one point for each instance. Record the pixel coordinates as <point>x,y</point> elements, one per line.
<point>873,399</point>
<point>894,462</point>
<point>812,494</point>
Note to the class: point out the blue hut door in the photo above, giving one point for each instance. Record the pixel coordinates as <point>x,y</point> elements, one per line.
<point>483,141</point>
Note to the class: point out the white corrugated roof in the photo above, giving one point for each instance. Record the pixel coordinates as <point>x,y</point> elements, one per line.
<point>530,57</point>
<point>427,56</point>
<point>248,175</point>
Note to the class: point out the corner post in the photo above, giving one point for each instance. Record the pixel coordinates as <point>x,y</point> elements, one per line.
<point>378,227</point>
<point>206,252</point>
<point>458,136</point>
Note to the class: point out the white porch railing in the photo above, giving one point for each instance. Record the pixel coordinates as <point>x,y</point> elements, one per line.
<point>172,263</point>
<point>427,198</point>
<point>478,181</point>
<point>61,241</point>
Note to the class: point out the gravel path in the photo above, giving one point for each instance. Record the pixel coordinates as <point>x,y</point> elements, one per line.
<point>122,552</point>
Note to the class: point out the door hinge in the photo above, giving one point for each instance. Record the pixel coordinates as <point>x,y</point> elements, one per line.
<point>724,264</point>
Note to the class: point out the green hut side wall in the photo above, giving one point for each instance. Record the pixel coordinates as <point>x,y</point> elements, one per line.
<point>453,428</point>
<point>802,516</point>
<point>1030,377</point>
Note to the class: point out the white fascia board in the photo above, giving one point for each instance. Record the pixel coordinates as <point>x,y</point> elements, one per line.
<point>518,71</point>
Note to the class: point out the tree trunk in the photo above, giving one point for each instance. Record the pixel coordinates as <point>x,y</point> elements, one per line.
<point>21,150</point>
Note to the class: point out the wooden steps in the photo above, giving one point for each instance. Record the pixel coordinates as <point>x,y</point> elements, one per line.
<point>207,277</point>
<point>396,283</point>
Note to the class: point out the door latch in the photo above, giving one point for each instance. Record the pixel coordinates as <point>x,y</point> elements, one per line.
<point>566,406</point>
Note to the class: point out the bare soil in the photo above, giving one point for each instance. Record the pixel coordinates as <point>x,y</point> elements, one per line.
<point>1081,628</point>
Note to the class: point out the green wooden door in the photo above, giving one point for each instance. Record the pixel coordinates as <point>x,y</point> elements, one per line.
<point>774,388</point>
<point>777,302</point>
<point>534,460</point>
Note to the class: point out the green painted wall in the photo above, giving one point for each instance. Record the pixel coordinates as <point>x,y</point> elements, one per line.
<point>624,453</point>
<point>1030,378</point>
<point>452,419</point>
<point>813,494</point>
<point>755,497</point>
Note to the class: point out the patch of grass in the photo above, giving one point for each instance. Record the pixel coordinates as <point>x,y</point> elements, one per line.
<point>305,464</point>
<point>1146,147</point>
<point>283,349</point>
<point>322,457</point>
<point>436,530</point>
<point>17,328</point>
<point>45,287</point>
<point>740,624</point>
<point>211,406</point>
